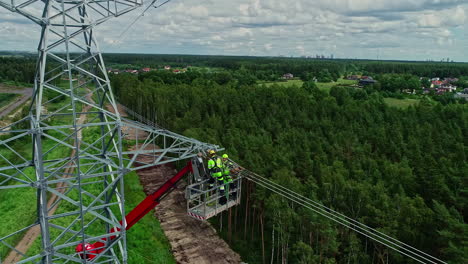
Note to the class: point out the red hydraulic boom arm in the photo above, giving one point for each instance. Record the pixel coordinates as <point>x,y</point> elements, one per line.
<point>151,201</point>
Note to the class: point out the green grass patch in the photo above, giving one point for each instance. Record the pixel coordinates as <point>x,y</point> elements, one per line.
<point>401,103</point>
<point>146,242</point>
<point>15,83</point>
<point>7,98</point>
<point>322,86</point>
<point>340,82</point>
<point>287,83</point>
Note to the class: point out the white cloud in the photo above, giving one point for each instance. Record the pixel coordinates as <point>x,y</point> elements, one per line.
<point>399,29</point>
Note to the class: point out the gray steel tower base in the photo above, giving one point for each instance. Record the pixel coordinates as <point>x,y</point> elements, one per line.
<point>79,154</point>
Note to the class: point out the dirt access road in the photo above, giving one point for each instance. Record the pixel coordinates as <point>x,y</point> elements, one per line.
<point>192,241</point>
<point>25,93</point>
<point>31,235</point>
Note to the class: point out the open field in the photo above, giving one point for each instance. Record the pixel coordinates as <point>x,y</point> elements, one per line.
<point>320,85</point>
<point>287,83</point>
<point>401,103</point>
<point>340,82</point>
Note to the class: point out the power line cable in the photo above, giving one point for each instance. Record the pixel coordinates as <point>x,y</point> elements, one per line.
<point>329,213</point>
<point>120,38</point>
<point>354,225</point>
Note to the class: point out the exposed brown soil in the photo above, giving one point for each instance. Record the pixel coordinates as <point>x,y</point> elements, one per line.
<point>192,241</point>
<point>31,235</point>
<point>119,107</point>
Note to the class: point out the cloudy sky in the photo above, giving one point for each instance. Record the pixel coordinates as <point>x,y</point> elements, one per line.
<point>368,29</point>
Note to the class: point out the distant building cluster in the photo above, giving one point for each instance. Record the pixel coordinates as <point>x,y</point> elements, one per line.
<point>366,80</point>
<point>363,80</point>
<point>441,86</point>
<point>145,70</point>
<point>320,57</point>
<point>287,76</point>
<point>462,94</point>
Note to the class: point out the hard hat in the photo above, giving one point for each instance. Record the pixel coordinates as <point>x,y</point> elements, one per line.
<point>225,156</point>
<point>211,152</point>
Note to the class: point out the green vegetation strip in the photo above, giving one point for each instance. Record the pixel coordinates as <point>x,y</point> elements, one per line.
<point>401,103</point>
<point>321,85</point>
<point>7,98</point>
<point>146,241</point>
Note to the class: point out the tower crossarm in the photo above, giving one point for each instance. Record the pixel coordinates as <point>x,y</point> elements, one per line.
<point>34,9</point>
<point>152,146</point>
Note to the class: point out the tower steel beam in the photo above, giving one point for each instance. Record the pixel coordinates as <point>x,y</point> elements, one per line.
<point>79,146</point>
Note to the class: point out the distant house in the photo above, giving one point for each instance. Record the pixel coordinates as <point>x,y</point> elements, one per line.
<point>146,69</point>
<point>287,76</point>
<point>435,79</point>
<point>436,83</point>
<point>446,87</point>
<point>113,71</point>
<point>167,67</point>
<point>131,71</point>
<point>353,77</point>
<point>461,95</point>
<point>366,80</point>
<point>176,71</point>
<point>450,80</point>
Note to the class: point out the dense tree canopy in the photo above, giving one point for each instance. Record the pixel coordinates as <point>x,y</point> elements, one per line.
<point>401,171</point>
<point>17,70</point>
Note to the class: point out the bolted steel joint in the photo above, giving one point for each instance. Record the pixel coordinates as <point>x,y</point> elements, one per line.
<point>37,131</point>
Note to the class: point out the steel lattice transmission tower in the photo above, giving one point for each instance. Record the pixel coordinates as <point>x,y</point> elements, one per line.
<point>78,148</point>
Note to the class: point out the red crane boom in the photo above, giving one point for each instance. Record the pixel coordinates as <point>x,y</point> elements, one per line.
<point>90,251</point>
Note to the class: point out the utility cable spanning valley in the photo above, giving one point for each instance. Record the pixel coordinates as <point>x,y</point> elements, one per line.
<point>341,219</point>
<point>319,208</point>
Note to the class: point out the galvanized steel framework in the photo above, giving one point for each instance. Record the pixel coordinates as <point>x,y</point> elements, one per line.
<point>77,159</point>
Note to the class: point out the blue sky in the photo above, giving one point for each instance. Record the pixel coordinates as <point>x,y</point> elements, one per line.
<point>366,29</point>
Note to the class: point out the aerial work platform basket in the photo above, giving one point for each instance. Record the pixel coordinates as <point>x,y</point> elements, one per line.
<point>204,202</point>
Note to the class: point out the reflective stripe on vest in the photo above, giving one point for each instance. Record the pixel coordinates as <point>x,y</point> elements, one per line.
<point>227,167</point>
<point>215,167</point>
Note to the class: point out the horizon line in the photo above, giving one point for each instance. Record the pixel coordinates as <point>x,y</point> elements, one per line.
<point>256,56</point>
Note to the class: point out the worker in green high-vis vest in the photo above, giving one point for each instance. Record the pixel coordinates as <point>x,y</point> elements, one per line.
<point>215,168</point>
<point>227,166</point>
